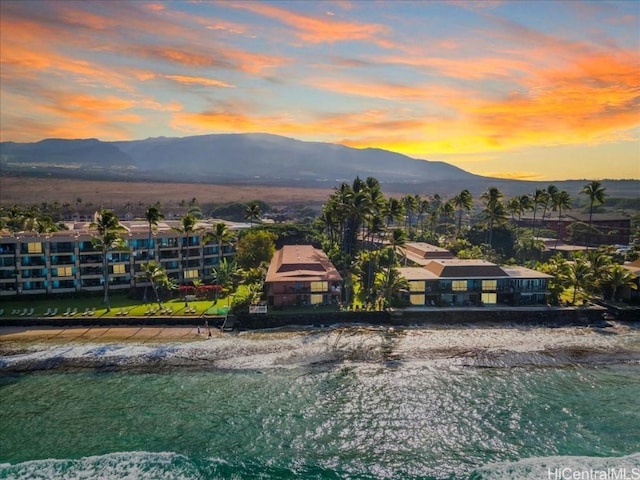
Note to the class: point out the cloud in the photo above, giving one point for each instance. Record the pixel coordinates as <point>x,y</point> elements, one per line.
<point>204,82</point>
<point>321,29</point>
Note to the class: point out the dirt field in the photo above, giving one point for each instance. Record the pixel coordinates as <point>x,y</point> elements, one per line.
<point>27,190</point>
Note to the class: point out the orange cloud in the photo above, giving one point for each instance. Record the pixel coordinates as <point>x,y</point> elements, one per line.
<point>205,82</point>
<point>325,29</point>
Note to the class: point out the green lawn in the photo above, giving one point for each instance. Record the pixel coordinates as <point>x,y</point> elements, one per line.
<point>119,304</point>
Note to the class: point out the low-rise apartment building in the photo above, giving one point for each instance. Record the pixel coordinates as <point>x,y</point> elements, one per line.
<point>66,261</point>
<point>302,275</point>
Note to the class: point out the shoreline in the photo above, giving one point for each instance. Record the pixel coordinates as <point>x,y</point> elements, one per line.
<point>31,349</point>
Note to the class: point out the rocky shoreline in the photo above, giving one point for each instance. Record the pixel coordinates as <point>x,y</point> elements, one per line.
<point>157,348</point>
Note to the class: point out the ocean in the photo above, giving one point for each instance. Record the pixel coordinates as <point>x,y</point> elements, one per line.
<point>390,419</point>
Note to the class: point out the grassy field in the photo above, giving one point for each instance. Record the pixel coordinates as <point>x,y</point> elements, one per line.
<point>29,190</point>
<point>119,305</point>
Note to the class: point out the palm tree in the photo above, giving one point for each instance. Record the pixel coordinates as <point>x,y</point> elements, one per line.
<point>391,284</point>
<point>253,212</point>
<point>397,240</point>
<point>595,192</point>
<point>188,228</point>
<point>226,275</point>
<point>561,201</point>
<point>580,275</point>
<point>394,211</point>
<point>222,236</point>
<point>462,201</point>
<point>540,197</point>
<point>108,238</point>
<point>410,204</point>
<point>153,216</point>
<point>494,210</point>
<point>156,275</point>
<point>617,277</point>
<point>552,193</point>
<point>448,211</point>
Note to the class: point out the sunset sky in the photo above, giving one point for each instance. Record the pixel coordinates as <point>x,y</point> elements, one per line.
<point>539,90</point>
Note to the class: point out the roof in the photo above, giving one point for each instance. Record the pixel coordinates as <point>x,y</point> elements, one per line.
<point>301,263</point>
<point>580,217</point>
<point>467,268</point>
<point>523,272</point>
<point>633,267</point>
<point>417,273</point>
<point>421,253</point>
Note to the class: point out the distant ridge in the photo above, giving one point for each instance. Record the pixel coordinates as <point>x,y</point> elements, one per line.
<point>250,158</point>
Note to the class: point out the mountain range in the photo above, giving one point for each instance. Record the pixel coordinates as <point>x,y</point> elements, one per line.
<point>253,158</point>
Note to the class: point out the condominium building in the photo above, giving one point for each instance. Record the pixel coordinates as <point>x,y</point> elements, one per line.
<point>302,275</point>
<point>67,261</point>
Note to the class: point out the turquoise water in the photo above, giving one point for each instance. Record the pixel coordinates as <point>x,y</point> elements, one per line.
<point>359,422</point>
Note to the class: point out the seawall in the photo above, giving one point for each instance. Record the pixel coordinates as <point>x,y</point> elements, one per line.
<point>590,316</point>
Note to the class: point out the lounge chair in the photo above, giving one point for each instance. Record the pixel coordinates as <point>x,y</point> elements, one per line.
<point>74,312</point>
<point>86,312</point>
<point>1,311</point>
<point>48,312</point>
<point>23,312</point>
<point>54,312</point>
<point>67,312</point>
<point>92,312</point>
<point>30,312</point>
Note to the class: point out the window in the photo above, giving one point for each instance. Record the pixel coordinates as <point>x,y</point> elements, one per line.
<point>489,298</point>
<point>34,247</point>
<point>316,298</point>
<point>417,299</point>
<point>416,286</point>
<point>191,274</point>
<point>459,285</point>
<point>319,287</point>
<point>64,271</point>
<point>119,269</point>
<point>489,285</point>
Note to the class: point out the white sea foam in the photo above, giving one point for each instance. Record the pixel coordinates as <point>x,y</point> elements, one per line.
<point>123,466</point>
<point>473,346</point>
<point>565,467</point>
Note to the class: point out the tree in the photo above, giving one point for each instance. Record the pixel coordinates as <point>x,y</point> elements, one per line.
<point>391,285</point>
<point>561,201</point>
<point>222,236</point>
<point>156,275</point>
<point>558,268</point>
<point>580,275</point>
<point>188,226</point>
<point>108,237</point>
<point>253,213</point>
<point>617,277</point>
<point>540,197</point>
<point>595,192</point>
<point>153,216</point>
<point>494,211</point>
<point>254,248</point>
<point>227,275</point>
<point>394,211</point>
<point>463,202</point>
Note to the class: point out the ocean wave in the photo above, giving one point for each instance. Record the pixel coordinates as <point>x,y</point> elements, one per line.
<point>563,467</point>
<point>122,465</point>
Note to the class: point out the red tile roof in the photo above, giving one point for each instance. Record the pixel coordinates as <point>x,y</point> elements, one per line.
<point>301,263</point>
